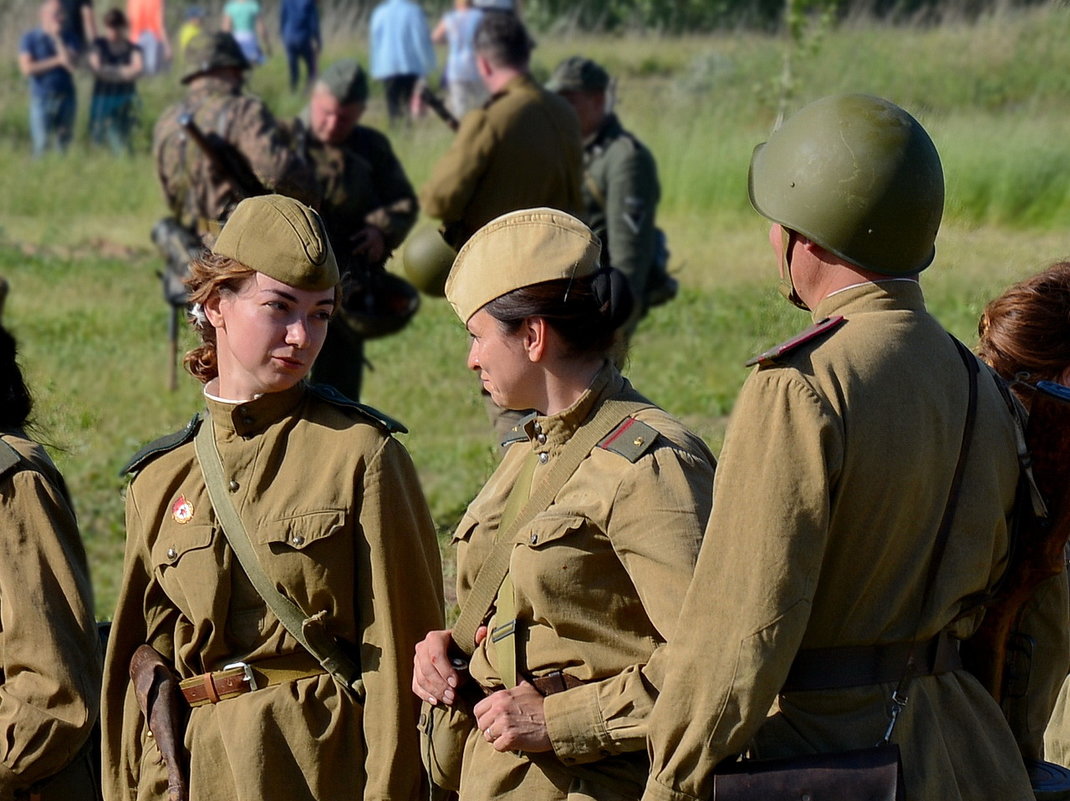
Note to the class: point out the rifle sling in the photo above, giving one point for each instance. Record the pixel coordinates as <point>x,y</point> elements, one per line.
<point>307,630</point>
<point>496,566</point>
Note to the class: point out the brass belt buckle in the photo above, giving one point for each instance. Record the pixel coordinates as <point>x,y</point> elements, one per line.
<point>250,679</point>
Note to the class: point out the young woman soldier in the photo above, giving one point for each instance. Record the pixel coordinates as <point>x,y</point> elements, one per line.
<point>598,555</point>
<point>284,484</point>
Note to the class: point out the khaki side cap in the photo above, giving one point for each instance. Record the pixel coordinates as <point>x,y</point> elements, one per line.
<point>519,249</point>
<point>281,238</point>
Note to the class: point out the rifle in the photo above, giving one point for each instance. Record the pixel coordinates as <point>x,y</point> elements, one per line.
<point>437,106</point>
<point>225,159</point>
<point>1041,531</point>
<point>179,246</point>
<point>161,703</point>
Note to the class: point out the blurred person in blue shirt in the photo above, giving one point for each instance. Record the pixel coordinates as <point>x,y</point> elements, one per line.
<point>47,58</point>
<point>401,52</point>
<point>299,29</point>
<point>457,29</point>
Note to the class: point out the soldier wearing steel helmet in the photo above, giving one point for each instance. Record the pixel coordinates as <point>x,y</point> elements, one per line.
<point>811,594</point>
<point>199,195</point>
<point>329,507</point>
<point>368,207</point>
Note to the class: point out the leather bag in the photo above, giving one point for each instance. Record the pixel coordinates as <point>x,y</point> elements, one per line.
<point>866,774</point>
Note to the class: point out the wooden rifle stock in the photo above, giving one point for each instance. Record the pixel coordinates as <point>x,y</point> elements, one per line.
<point>436,105</point>
<point>224,158</point>
<point>1038,553</point>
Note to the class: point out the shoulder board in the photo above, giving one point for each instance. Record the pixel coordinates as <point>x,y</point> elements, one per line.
<point>516,433</point>
<point>818,329</point>
<point>162,445</point>
<point>9,458</point>
<point>382,420</point>
<point>631,439</point>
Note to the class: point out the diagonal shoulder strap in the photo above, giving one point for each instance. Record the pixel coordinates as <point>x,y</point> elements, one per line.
<point>308,630</point>
<point>496,566</point>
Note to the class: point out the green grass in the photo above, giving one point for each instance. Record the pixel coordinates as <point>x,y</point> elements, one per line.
<point>87,307</point>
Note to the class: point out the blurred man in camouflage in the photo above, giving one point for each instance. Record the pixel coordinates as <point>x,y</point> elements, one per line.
<point>521,150</point>
<point>367,205</point>
<point>201,188</point>
<point>620,186</point>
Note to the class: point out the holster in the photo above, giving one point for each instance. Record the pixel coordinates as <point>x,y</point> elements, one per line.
<point>160,700</point>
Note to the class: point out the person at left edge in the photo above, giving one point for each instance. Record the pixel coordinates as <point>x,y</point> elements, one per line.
<point>47,59</point>
<point>197,194</point>
<point>334,510</point>
<point>50,660</point>
<point>366,201</point>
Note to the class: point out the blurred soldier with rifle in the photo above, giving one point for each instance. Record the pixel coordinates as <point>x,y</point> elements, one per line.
<point>368,206</point>
<point>212,149</point>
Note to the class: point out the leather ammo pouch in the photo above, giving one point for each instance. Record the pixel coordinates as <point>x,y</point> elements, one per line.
<point>161,702</point>
<point>866,774</point>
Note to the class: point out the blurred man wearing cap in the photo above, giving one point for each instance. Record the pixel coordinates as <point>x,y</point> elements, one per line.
<point>521,150</point>
<point>620,185</point>
<point>366,200</point>
<point>238,126</point>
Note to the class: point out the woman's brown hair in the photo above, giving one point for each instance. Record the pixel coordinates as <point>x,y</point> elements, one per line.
<point>209,274</point>
<point>585,312</point>
<point>1025,332</point>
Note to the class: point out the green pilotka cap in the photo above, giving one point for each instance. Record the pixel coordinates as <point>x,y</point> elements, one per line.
<point>347,81</point>
<point>520,249</point>
<point>578,74</point>
<point>281,238</point>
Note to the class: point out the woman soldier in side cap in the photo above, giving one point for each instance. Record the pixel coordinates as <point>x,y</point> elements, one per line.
<point>598,553</point>
<point>284,484</point>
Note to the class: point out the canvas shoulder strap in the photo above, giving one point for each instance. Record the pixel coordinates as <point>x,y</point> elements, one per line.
<point>309,631</point>
<point>496,566</point>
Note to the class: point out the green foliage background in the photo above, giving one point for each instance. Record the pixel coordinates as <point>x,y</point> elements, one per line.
<point>991,88</point>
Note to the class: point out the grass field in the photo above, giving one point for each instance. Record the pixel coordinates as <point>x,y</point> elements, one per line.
<point>88,311</point>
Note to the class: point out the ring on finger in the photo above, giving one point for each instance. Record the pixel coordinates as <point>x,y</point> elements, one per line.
<point>488,734</point>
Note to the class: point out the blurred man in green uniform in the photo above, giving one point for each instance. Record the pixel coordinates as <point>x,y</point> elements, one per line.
<point>367,205</point>
<point>240,128</point>
<point>521,150</point>
<point>812,590</point>
<point>620,186</point>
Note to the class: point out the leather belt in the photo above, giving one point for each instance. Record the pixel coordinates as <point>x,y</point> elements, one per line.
<point>862,665</point>
<point>239,678</point>
<point>556,682</point>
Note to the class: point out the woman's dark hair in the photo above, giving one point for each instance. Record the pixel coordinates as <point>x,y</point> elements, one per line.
<point>1025,332</point>
<point>585,312</point>
<point>115,18</point>
<point>15,401</point>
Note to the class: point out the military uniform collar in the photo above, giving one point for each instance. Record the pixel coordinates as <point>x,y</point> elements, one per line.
<point>608,130</point>
<point>551,432</point>
<point>213,85</point>
<point>247,418</point>
<point>895,294</point>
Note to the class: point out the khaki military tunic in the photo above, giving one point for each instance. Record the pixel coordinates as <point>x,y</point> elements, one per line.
<point>197,192</point>
<point>360,182</point>
<point>599,577</point>
<point>832,482</point>
<point>334,509</point>
<point>50,655</point>
<point>620,195</point>
<point>521,150</point>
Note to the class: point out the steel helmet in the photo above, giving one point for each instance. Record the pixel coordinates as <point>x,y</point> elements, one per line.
<point>212,51</point>
<point>857,175</point>
<point>428,259</point>
<point>379,303</point>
